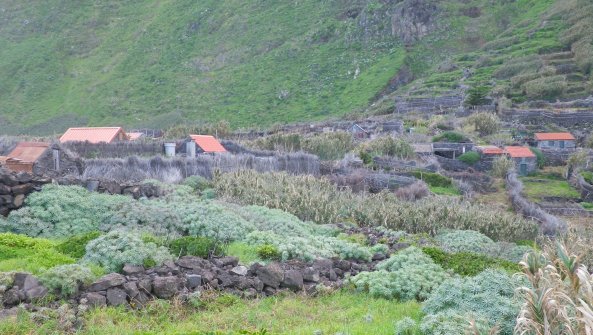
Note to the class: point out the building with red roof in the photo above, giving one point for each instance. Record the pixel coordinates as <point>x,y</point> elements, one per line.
<point>525,160</point>
<point>555,141</point>
<point>207,144</point>
<point>94,135</point>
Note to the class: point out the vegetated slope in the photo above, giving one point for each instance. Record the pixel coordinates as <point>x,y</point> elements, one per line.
<point>159,63</point>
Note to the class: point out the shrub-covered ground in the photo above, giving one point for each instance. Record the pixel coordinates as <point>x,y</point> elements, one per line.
<point>434,279</point>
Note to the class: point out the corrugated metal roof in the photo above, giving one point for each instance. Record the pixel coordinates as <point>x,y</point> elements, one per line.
<point>92,134</point>
<point>554,137</point>
<point>29,151</point>
<point>519,152</point>
<point>208,143</point>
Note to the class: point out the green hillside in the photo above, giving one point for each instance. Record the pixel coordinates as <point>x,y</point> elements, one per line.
<point>149,63</point>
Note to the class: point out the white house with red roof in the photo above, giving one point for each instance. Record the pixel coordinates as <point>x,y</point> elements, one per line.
<point>525,160</point>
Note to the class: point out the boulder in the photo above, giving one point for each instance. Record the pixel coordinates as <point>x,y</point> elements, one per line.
<point>226,261</point>
<point>131,289</point>
<point>14,296</point>
<point>36,292</point>
<point>18,200</point>
<point>145,285</point>
<point>22,189</point>
<point>116,297</point>
<point>343,264</point>
<point>131,269</point>
<point>193,281</point>
<point>239,270</point>
<point>379,256</point>
<point>95,299</point>
<point>293,279</point>
<point>310,274</point>
<point>107,281</point>
<point>166,287</point>
<point>271,275</point>
<point>191,262</point>
<point>4,190</point>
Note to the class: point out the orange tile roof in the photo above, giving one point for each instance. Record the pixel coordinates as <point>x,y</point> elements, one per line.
<point>208,143</point>
<point>134,136</point>
<point>519,152</point>
<point>92,134</point>
<point>491,150</point>
<point>28,151</point>
<point>554,137</point>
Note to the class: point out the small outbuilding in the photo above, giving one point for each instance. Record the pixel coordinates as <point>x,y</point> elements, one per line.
<point>39,158</point>
<point>524,159</point>
<point>95,135</point>
<point>557,141</point>
<point>207,144</point>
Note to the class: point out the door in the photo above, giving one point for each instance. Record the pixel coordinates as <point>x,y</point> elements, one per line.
<point>561,144</point>
<point>523,169</point>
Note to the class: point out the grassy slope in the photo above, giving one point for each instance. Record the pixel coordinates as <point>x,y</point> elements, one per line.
<point>341,312</point>
<point>158,63</point>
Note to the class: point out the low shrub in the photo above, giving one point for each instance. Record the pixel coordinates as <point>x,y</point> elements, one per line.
<point>470,158</point>
<point>468,263</point>
<point>75,246</point>
<point>489,297</point>
<point>388,146</point>
<point>485,123</point>
<point>463,240</point>
<point>66,280</point>
<point>413,192</point>
<point>409,274</point>
<point>195,246</point>
<point>451,137</point>
<point>501,166</point>
<point>268,252</point>
<point>116,248</point>
<point>197,183</point>
<point>433,179</point>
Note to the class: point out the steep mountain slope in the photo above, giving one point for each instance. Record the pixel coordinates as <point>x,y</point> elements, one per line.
<point>163,62</point>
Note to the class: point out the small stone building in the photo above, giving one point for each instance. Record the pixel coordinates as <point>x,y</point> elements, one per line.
<point>555,141</point>
<point>524,159</point>
<point>203,144</point>
<point>40,158</point>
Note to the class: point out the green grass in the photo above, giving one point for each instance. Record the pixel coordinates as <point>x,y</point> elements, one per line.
<point>247,254</point>
<point>439,190</point>
<point>340,312</point>
<point>540,186</point>
<point>22,253</point>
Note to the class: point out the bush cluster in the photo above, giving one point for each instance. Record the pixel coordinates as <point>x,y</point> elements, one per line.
<point>459,241</point>
<point>75,246</point>
<point>409,274</point>
<point>387,146</point>
<point>433,179</point>
<point>470,158</point>
<point>195,246</point>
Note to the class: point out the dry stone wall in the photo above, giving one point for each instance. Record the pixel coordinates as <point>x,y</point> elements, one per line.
<point>14,188</point>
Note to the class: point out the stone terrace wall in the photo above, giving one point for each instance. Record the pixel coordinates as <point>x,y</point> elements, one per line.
<point>14,187</point>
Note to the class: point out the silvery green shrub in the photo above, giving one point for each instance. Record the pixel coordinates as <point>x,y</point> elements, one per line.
<point>62,211</point>
<point>118,247</point>
<point>66,279</point>
<point>450,322</point>
<point>406,326</point>
<point>406,275</point>
<point>472,241</point>
<point>488,296</point>
<point>308,247</point>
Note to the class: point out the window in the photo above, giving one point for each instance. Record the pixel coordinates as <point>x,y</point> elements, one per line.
<point>550,143</point>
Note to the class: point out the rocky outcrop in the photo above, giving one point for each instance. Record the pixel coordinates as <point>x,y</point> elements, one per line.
<point>413,19</point>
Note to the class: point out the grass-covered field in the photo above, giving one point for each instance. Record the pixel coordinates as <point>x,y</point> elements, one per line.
<point>253,63</point>
<point>347,313</point>
<point>548,185</point>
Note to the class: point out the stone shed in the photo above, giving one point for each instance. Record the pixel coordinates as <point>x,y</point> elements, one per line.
<point>40,158</point>
<point>555,141</point>
<point>524,159</point>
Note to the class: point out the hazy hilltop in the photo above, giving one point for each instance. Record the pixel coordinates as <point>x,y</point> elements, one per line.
<point>259,62</point>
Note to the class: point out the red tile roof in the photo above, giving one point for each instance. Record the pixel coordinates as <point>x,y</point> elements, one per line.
<point>554,137</point>
<point>208,143</point>
<point>92,134</point>
<point>491,150</point>
<point>519,152</point>
<point>28,151</point>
